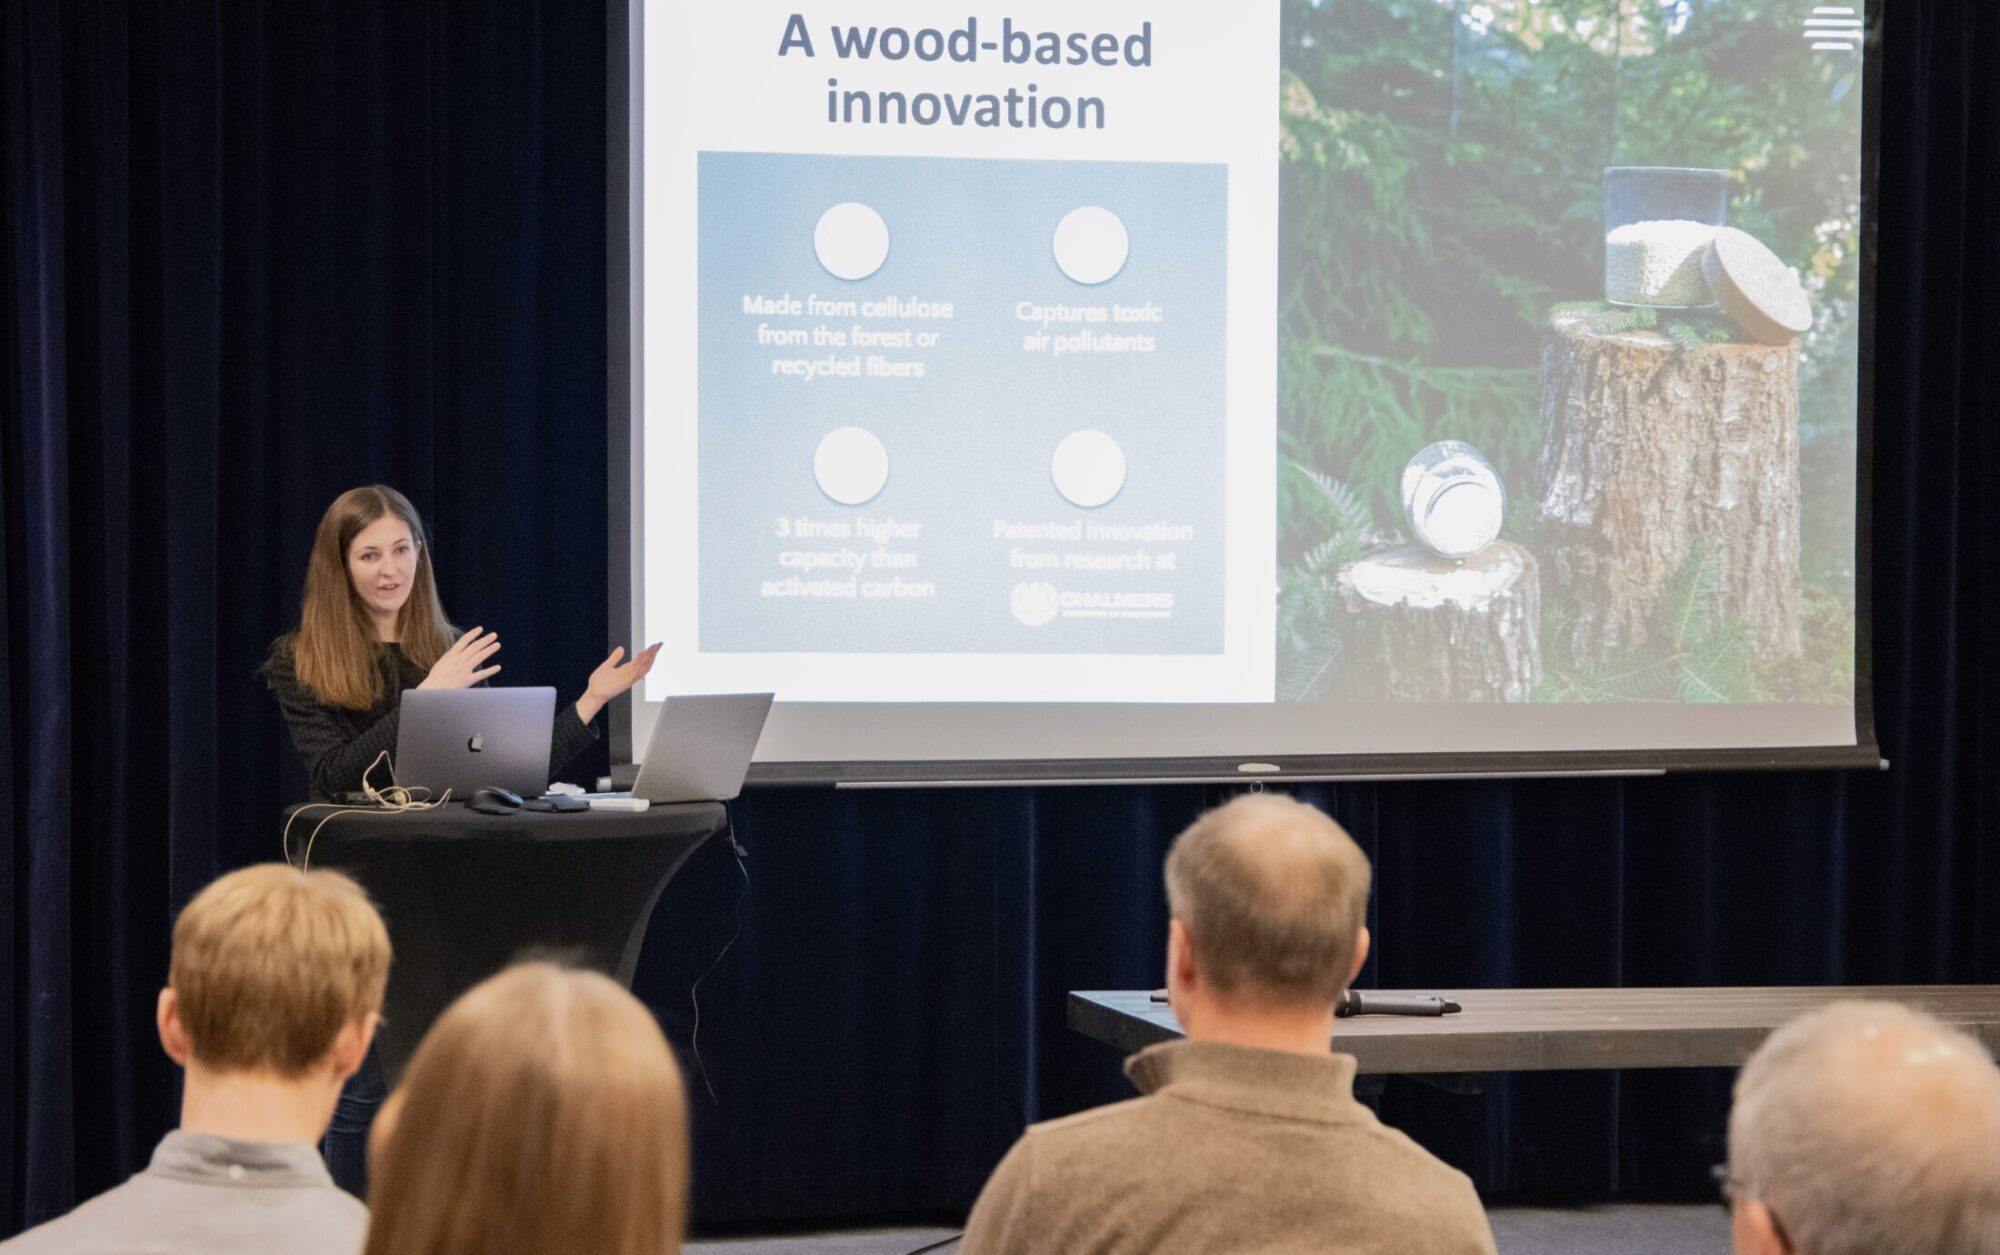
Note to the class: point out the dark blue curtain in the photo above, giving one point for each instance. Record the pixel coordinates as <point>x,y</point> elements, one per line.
<point>252,255</point>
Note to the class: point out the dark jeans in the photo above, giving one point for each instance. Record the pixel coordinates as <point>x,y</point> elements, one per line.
<point>345,1146</point>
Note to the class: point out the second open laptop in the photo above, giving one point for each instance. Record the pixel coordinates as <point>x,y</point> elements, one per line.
<point>700,750</point>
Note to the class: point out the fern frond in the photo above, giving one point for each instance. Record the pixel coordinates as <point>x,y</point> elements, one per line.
<point>1633,676</point>
<point>1605,319</point>
<point>1350,512</point>
<point>1684,336</point>
<point>1692,593</point>
<point>1322,557</point>
<point>1307,678</point>
<point>1696,330</point>
<point>1310,618</point>
<point>1720,670</point>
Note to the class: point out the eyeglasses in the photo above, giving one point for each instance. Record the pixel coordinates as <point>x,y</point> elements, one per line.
<point>1733,1187</point>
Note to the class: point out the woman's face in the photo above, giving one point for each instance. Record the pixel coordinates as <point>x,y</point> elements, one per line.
<point>382,560</point>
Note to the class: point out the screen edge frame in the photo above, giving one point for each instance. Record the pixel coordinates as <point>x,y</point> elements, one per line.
<point>624,393</point>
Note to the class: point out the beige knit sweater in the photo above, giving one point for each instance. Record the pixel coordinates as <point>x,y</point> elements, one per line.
<point>1231,1149</point>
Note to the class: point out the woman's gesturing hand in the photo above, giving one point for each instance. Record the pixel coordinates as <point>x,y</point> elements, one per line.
<point>612,678</point>
<point>460,666</point>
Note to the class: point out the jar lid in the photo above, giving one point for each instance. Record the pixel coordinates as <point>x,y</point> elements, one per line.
<point>1755,287</point>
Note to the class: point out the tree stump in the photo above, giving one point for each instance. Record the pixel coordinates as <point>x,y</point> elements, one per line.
<point>1651,450</point>
<point>1421,628</point>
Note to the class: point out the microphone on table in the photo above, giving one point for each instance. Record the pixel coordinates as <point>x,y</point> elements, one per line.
<point>1362,1002</point>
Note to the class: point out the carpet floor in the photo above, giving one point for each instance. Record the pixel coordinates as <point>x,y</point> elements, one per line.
<point>1627,1230</point>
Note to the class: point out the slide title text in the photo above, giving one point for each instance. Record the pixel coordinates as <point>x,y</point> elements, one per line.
<point>1020,107</point>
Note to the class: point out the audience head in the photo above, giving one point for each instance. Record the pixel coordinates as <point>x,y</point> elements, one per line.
<point>542,1114</point>
<point>276,972</point>
<point>1269,899</point>
<point>370,567</point>
<point>1865,1128</point>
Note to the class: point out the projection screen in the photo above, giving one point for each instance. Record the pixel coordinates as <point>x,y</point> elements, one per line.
<point>1068,389</point>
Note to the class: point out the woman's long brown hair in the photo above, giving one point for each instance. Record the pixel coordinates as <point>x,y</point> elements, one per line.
<point>335,652</point>
<point>541,1115</point>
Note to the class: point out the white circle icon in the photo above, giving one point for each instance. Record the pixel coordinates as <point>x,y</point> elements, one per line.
<point>1033,602</point>
<point>1089,468</point>
<point>1091,244</point>
<point>851,465</point>
<point>852,240</point>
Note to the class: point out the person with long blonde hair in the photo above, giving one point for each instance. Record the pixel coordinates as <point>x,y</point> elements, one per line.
<point>542,1114</point>
<point>371,626</point>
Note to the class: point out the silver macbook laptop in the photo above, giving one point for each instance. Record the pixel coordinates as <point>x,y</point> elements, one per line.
<point>467,739</point>
<point>701,748</point>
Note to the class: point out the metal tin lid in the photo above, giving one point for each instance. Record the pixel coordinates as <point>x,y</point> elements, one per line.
<point>1755,288</point>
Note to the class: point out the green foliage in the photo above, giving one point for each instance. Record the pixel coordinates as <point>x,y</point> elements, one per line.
<point>1696,330</point>
<point>1346,513</point>
<point>1361,417</point>
<point>1441,190</point>
<point>1688,328</point>
<point>1605,319</point>
<point>1309,625</point>
<point>1520,522</point>
<point>1824,669</point>
<point>1310,615</point>
<point>1697,654</point>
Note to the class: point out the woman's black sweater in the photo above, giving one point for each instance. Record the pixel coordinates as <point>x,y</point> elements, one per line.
<point>338,744</point>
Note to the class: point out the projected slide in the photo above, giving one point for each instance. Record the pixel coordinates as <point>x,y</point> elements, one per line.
<point>971,397</point>
<point>1302,367</point>
<point>1017,448</point>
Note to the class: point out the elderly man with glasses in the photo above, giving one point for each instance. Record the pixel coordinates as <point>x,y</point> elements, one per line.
<point>1865,1128</point>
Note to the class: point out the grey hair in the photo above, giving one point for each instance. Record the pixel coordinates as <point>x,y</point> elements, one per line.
<point>1869,1129</point>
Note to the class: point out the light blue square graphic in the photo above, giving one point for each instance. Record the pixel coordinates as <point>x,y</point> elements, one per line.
<point>969,544</point>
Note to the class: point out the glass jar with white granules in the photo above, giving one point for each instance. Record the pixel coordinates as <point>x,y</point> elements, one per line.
<point>1453,499</point>
<point>1658,222</point>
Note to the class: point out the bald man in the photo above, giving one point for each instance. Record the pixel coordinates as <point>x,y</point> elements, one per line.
<point>1864,1128</point>
<point>1248,1135</point>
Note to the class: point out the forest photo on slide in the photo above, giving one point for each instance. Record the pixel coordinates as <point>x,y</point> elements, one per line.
<point>1608,250</point>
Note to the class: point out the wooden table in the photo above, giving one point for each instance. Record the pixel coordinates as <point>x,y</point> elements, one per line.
<point>1534,1030</point>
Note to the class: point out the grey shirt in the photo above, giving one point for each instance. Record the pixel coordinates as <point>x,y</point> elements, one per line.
<point>213,1196</point>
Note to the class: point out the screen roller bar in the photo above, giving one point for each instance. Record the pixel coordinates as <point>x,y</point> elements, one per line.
<point>1368,769</point>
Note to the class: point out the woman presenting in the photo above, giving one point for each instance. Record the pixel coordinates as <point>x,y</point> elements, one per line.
<point>370,626</point>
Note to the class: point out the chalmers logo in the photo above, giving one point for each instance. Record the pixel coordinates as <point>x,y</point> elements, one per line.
<point>1117,601</point>
<point>1034,602</point>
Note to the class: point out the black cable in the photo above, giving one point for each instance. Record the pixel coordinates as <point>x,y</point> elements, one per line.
<point>937,1245</point>
<point>694,992</point>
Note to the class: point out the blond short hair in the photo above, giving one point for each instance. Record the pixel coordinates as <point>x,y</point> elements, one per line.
<point>1273,895</point>
<point>542,1114</point>
<point>270,963</point>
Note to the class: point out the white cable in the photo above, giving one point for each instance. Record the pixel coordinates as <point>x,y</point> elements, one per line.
<point>395,800</point>
<point>694,993</point>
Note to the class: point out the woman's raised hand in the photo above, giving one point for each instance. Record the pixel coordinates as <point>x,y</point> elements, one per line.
<point>460,666</point>
<point>613,677</point>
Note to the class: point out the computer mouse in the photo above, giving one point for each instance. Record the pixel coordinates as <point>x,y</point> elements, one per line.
<point>492,800</point>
